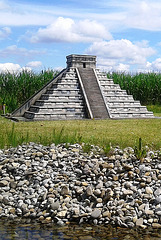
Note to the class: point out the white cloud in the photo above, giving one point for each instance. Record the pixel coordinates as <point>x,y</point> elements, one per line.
<point>4,32</point>
<point>120,53</point>
<point>68,30</point>
<point>34,64</point>
<point>9,67</point>
<point>16,51</point>
<point>156,65</point>
<point>111,65</point>
<point>144,15</point>
<point>93,29</point>
<point>12,68</point>
<point>115,14</point>
<point>121,68</point>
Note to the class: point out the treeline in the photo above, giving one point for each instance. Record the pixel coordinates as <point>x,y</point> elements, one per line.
<point>16,88</point>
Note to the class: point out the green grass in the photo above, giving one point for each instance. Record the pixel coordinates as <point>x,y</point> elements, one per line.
<point>156,109</point>
<point>98,132</point>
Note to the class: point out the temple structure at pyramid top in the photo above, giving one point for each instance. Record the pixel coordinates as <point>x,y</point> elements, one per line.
<point>84,61</point>
<point>81,91</point>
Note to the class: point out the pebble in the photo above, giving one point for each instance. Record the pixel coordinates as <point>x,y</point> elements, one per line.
<point>96,213</point>
<point>61,185</point>
<point>139,222</point>
<point>55,205</point>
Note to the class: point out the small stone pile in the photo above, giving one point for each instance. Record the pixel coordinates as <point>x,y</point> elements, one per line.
<point>63,184</point>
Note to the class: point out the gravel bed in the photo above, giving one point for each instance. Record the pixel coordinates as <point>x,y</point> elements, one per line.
<point>62,184</point>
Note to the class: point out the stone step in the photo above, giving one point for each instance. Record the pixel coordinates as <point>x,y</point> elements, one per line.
<point>124,101</point>
<point>44,109</point>
<point>100,74</point>
<point>61,98</point>
<point>71,80</point>
<point>106,82</point>
<point>69,75</point>
<point>64,90</point>
<point>64,86</point>
<point>122,105</point>
<point>61,93</point>
<point>59,102</point>
<point>112,97</point>
<point>114,91</point>
<point>53,116</point>
<point>119,109</point>
<point>111,93</point>
<point>110,87</point>
<point>131,115</point>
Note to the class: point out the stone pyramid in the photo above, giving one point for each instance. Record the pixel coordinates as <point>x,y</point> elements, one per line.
<point>81,91</point>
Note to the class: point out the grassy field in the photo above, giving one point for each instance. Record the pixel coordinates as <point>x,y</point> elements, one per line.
<point>99,132</point>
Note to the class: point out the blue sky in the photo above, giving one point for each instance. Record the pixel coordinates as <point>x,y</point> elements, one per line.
<point>125,35</point>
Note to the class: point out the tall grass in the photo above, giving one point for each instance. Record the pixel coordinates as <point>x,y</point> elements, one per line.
<point>16,88</point>
<point>145,87</point>
<point>11,138</point>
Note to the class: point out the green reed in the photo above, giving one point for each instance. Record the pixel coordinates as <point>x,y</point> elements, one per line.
<point>145,87</point>
<point>16,88</point>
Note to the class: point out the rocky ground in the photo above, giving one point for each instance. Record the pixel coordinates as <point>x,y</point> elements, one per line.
<point>63,184</point>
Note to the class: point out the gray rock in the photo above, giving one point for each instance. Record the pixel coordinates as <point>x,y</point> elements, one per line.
<point>149,212</point>
<point>149,190</point>
<point>158,213</point>
<point>96,213</point>
<point>127,192</point>
<point>55,205</point>
<point>157,192</point>
<point>156,225</point>
<point>99,185</point>
<point>65,190</point>
<point>97,192</point>
<point>89,191</point>
<point>60,223</point>
<point>3,183</point>
<point>158,199</point>
<point>139,222</point>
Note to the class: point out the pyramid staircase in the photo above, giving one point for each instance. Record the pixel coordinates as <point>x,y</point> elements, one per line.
<point>93,92</point>
<point>120,104</point>
<point>61,100</point>
<point>81,92</point>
